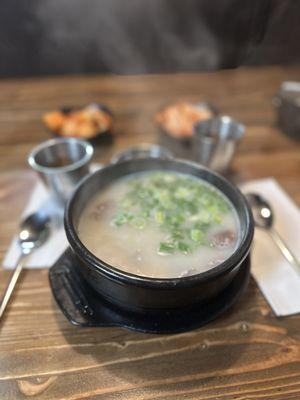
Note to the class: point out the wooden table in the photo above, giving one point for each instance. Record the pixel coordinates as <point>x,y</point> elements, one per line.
<point>245,354</point>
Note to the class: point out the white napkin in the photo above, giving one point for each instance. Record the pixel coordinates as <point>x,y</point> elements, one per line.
<point>277,279</point>
<point>46,255</point>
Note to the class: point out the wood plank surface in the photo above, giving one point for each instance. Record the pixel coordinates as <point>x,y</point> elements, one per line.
<point>248,353</point>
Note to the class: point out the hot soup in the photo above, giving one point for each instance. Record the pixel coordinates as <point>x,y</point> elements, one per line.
<point>160,224</point>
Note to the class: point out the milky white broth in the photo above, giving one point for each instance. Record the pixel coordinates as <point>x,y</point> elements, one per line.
<point>174,237</point>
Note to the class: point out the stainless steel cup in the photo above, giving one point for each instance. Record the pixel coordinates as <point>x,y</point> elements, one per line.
<point>287,103</point>
<point>61,164</point>
<point>143,150</point>
<point>215,140</point>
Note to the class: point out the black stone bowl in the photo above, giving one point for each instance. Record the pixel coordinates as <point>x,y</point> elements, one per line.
<point>136,293</point>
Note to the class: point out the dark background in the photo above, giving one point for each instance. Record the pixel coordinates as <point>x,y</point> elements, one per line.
<point>44,37</point>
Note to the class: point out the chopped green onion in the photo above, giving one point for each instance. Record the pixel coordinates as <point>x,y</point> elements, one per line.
<point>165,248</point>
<point>184,248</point>
<point>196,235</point>
<point>181,207</point>
<point>160,217</point>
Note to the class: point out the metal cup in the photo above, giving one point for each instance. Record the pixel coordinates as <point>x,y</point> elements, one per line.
<point>61,164</point>
<point>142,150</point>
<point>215,141</point>
<point>287,103</point>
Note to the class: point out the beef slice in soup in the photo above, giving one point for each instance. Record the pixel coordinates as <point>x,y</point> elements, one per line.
<point>224,238</point>
<point>160,224</point>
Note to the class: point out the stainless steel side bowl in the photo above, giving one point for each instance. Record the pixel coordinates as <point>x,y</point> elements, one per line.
<point>142,150</point>
<point>61,164</point>
<point>215,141</point>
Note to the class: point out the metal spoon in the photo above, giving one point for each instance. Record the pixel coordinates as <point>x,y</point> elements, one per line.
<point>34,231</point>
<point>264,218</point>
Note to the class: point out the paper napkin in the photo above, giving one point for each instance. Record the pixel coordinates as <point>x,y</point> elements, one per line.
<point>277,279</point>
<point>46,255</point>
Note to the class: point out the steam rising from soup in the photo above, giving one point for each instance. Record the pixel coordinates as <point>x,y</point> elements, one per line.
<point>160,224</point>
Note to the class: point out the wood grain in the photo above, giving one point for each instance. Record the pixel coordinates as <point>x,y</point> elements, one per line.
<point>245,354</point>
